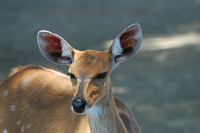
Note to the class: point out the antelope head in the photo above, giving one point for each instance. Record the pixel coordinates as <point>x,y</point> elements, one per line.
<point>90,70</point>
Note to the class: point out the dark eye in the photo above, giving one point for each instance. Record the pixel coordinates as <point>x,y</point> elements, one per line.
<point>101,75</point>
<point>71,76</point>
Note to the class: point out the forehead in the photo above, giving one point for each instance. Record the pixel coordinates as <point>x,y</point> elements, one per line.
<point>90,62</point>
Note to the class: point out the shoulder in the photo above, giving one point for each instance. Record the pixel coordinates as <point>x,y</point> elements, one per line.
<point>127,117</point>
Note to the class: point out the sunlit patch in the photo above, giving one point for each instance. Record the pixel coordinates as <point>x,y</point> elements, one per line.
<point>120,90</point>
<point>171,41</point>
<point>165,42</point>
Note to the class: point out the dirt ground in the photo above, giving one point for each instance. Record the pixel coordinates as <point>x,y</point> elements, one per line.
<point>161,84</point>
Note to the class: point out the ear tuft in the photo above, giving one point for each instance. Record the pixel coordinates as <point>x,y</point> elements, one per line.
<point>54,47</point>
<point>127,43</point>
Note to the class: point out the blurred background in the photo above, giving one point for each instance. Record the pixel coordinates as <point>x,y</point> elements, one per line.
<point>161,84</point>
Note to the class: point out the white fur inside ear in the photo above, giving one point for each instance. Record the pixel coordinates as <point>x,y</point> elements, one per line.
<point>62,54</point>
<point>66,50</point>
<point>126,44</point>
<point>116,48</point>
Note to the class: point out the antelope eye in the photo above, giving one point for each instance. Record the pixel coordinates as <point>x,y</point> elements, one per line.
<point>101,75</point>
<point>71,76</point>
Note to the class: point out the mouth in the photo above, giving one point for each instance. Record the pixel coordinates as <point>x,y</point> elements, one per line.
<point>79,106</point>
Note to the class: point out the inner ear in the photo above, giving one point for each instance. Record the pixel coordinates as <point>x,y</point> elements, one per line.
<point>55,48</point>
<point>127,40</point>
<point>126,44</point>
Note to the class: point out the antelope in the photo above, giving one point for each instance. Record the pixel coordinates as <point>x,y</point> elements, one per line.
<point>38,99</point>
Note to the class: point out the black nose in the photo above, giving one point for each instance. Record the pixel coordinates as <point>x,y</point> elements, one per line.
<point>78,105</point>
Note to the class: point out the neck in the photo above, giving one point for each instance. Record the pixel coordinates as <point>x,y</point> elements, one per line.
<point>103,116</point>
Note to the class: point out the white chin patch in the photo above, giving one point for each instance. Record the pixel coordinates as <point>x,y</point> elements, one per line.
<point>95,110</point>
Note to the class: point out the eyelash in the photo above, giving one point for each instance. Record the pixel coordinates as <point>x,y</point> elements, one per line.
<point>101,75</point>
<point>71,76</point>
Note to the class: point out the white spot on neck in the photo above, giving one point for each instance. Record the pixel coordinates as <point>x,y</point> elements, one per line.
<point>5,93</point>
<point>28,126</point>
<point>18,122</point>
<point>104,84</point>
<point>1,120</point>
<point>12,107</point>
<point>22,129</point>
<point>4,131</point>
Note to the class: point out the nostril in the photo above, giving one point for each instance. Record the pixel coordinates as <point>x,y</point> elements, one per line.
<point>78,105</point>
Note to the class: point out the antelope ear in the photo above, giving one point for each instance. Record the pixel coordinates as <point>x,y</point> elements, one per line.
<point>54,47</point>
<point>126,44</point>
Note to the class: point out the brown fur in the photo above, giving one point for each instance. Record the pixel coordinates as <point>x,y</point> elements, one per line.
<point>36,100</point>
